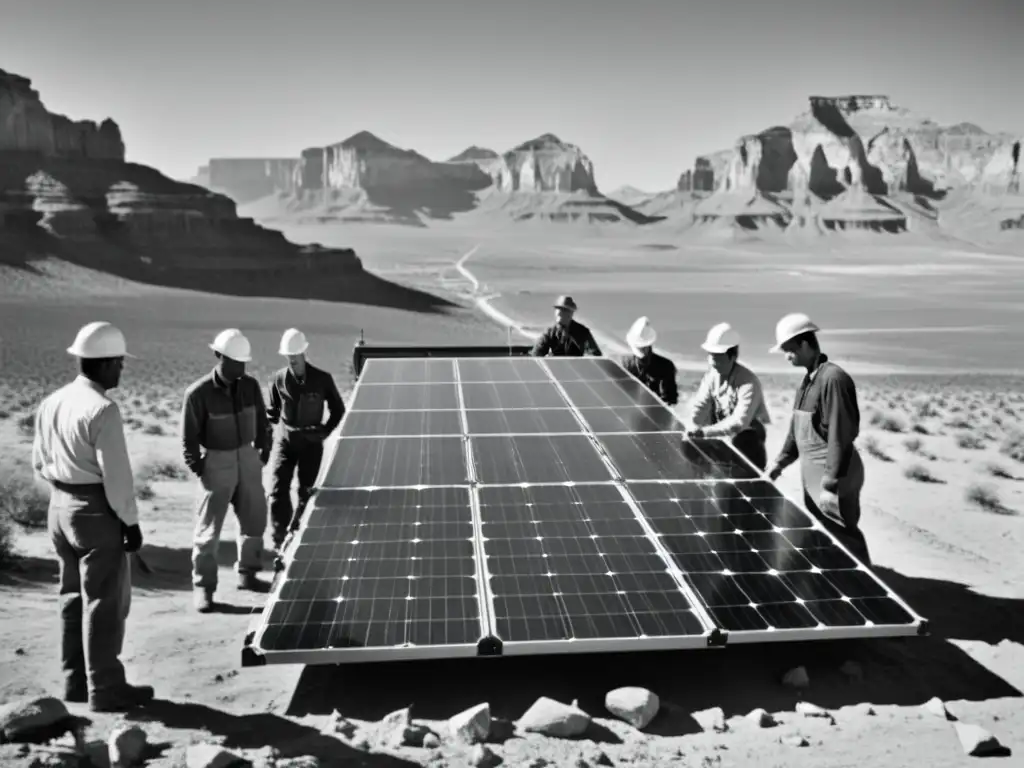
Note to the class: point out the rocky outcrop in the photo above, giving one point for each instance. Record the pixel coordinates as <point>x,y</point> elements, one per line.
<point>248,179</point>
<point>27,126</point>
<point>545,164</point>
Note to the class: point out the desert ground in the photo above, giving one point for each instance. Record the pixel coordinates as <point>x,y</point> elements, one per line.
<point>944,504</point>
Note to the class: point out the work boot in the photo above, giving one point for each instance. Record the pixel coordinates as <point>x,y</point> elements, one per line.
<point>250,583</point>
<point>202,599</point>
<point>121,698</point>
<point>76,692</point>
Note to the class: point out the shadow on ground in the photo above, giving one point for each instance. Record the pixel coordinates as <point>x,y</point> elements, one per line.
<point>898,671</point>
<point>256,732</point>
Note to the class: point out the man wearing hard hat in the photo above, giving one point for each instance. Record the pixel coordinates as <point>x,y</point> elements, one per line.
<point>566,338</point>
<point>298,394</point>
<point>226,442</point>
<point>656,372</point>
<point>730,399</point>
<point>79,449</point>
<point>826,421</point>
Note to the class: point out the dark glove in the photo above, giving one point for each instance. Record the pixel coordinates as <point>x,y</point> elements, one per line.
<point>132,537</point>
<point>198,467</point>
<point>264,457</point>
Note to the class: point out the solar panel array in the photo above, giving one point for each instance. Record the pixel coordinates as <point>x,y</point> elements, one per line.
<point>483,506</point>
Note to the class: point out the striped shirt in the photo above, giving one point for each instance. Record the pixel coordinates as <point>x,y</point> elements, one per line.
<point>80,440</point>
<point>722,408</point>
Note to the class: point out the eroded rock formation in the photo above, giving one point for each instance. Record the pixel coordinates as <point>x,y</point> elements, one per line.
<point>27,126</point>
<point>248,179</point>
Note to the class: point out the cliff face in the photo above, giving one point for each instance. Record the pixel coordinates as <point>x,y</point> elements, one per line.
<point>27,126</point>
<point>65,189</point>
<point>247,179</point>
<point>870,142</point>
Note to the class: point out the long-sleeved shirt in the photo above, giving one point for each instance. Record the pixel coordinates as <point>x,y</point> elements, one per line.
<point>828,392</point>
<point>573,340</point>
<point>725,407</point>
<point>219,416</point>
<point>300,405</point>
<point>80,440</point>
<point>657,372</point>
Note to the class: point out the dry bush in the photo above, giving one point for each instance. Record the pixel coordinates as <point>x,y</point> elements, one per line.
<point>4,415</point>
<point>27,424</point>
<point>969,442</point>
<point>144,491</point>
<point>875,449</point>
<point>987,498</point>
<point>887,422</point>
<point>153,429</point>
<point>22,501</point>
<point>8,538</point>
<point>1013,445</point>
<point>925,409</point>
<point>161,470</point>
<point>920,429</point>
<point>921,474</point>
<point>913,444</point>
<point>959,423</point>
<point>998,470</point>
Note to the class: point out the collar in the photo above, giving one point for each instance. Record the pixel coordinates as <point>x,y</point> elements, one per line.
<point>218,381</point>
<point>83,380</point>
<point>822,359</point>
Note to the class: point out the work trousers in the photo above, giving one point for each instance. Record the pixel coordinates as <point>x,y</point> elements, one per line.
<point>293,453</point>
<point>95,587</point>
<point>235,479</point>
<point>751,443</point>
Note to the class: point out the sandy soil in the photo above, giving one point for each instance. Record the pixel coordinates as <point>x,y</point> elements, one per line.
<point>956,562</point>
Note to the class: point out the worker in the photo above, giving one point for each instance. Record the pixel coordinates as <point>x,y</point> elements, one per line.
<point>79,450</point>
<point>225,440</point>
<point>730,399</point>
<point>566,338</point>
<point>826,421</point>
<point>298,394</point>
<point>656,372</point>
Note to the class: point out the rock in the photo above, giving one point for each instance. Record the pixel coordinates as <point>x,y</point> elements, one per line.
<point>431,741</point>
<point>636,706</point>
<point>37,721</point>
<point>303,761</point>
<point>471,725</point>
<point>247,179</point>
<point>127,746</point>
<point>796,678</point>
<point>712,719</point>
<point>807,709</point>
<point>538,762</point>
<point>213,756</point>
<point>30,756</point>
<point>865,709</point>
<point>761,718</point>
<point>977,742</point>
<point>397,730</point>
<point>852,670</point>
<point>339,724</point>
<point>935,706</point>
<point>27,126</point>
<point>553,718</point>
<point>483,756</point>
<point>794,740</point>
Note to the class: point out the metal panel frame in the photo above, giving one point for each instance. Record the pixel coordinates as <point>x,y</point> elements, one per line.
<point>491,645</point>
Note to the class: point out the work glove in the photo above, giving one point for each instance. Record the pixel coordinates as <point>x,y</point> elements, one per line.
<point>132,537</point>
<point>828,503</point>
<point>774,472</point>
<point>694,434</point>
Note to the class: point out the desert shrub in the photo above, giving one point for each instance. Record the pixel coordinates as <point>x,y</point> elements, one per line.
<point>959,423</point>
<point>144,491</point>
<point>969,442</point>
<point>27,424</point>
<point>153,429</point>
<point>998,470</point>
<point>7,543</point>
<point>22,501</point>
<point>875,449</point>
<point>4,415</point>
<point>1013,445</point>
<point>920,429</point>
<point>161,470</point>
<point>920,473</point>
<point>913,444</point>
<point>986,497</point>
<point>924,409</point>
<point>887,422</point>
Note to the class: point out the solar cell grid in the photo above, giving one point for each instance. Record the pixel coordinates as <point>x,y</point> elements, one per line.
<point>382,568</point>
<point>543,501</point>
<point>574,563</point>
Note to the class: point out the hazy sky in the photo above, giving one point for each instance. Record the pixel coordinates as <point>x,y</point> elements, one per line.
<point>641,85</point>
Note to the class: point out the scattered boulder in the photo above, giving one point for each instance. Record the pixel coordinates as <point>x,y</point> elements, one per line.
<point>553,718</point>
<point>339,724</point>
<point>794,740</point>
<point>977,742</point>
<point>797,678</point>
<point>864,709</point>
<point>397,730</point>
<point>807,709</point>
<point>761,718</point>
<point>471,725</point>
<point>937,707</point>
<point>31,756</point>
<point>483,756</point>
<point>127,746</point>
<point>431,741</point>
<point>636,706</point>
<point>213,756</point>
<point>38,721</point>
<point>711,719</point>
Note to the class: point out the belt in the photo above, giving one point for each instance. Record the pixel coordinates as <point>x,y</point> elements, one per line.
<point>76,487</point>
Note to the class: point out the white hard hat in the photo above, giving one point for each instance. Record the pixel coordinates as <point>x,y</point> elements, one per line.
<point>641,334</point>
<point>721,338</point>
<point>293,342</point>
<point>231,343</point>
<point>97,340</point>
<point>791,326</point>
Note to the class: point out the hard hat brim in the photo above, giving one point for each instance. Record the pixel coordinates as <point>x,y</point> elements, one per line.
<point>716,349</point>
<point>75,352</point>
<point>286,353</point>
<point>246,359</point>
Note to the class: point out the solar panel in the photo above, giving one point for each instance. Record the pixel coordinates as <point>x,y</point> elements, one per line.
<point>488,506</point>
